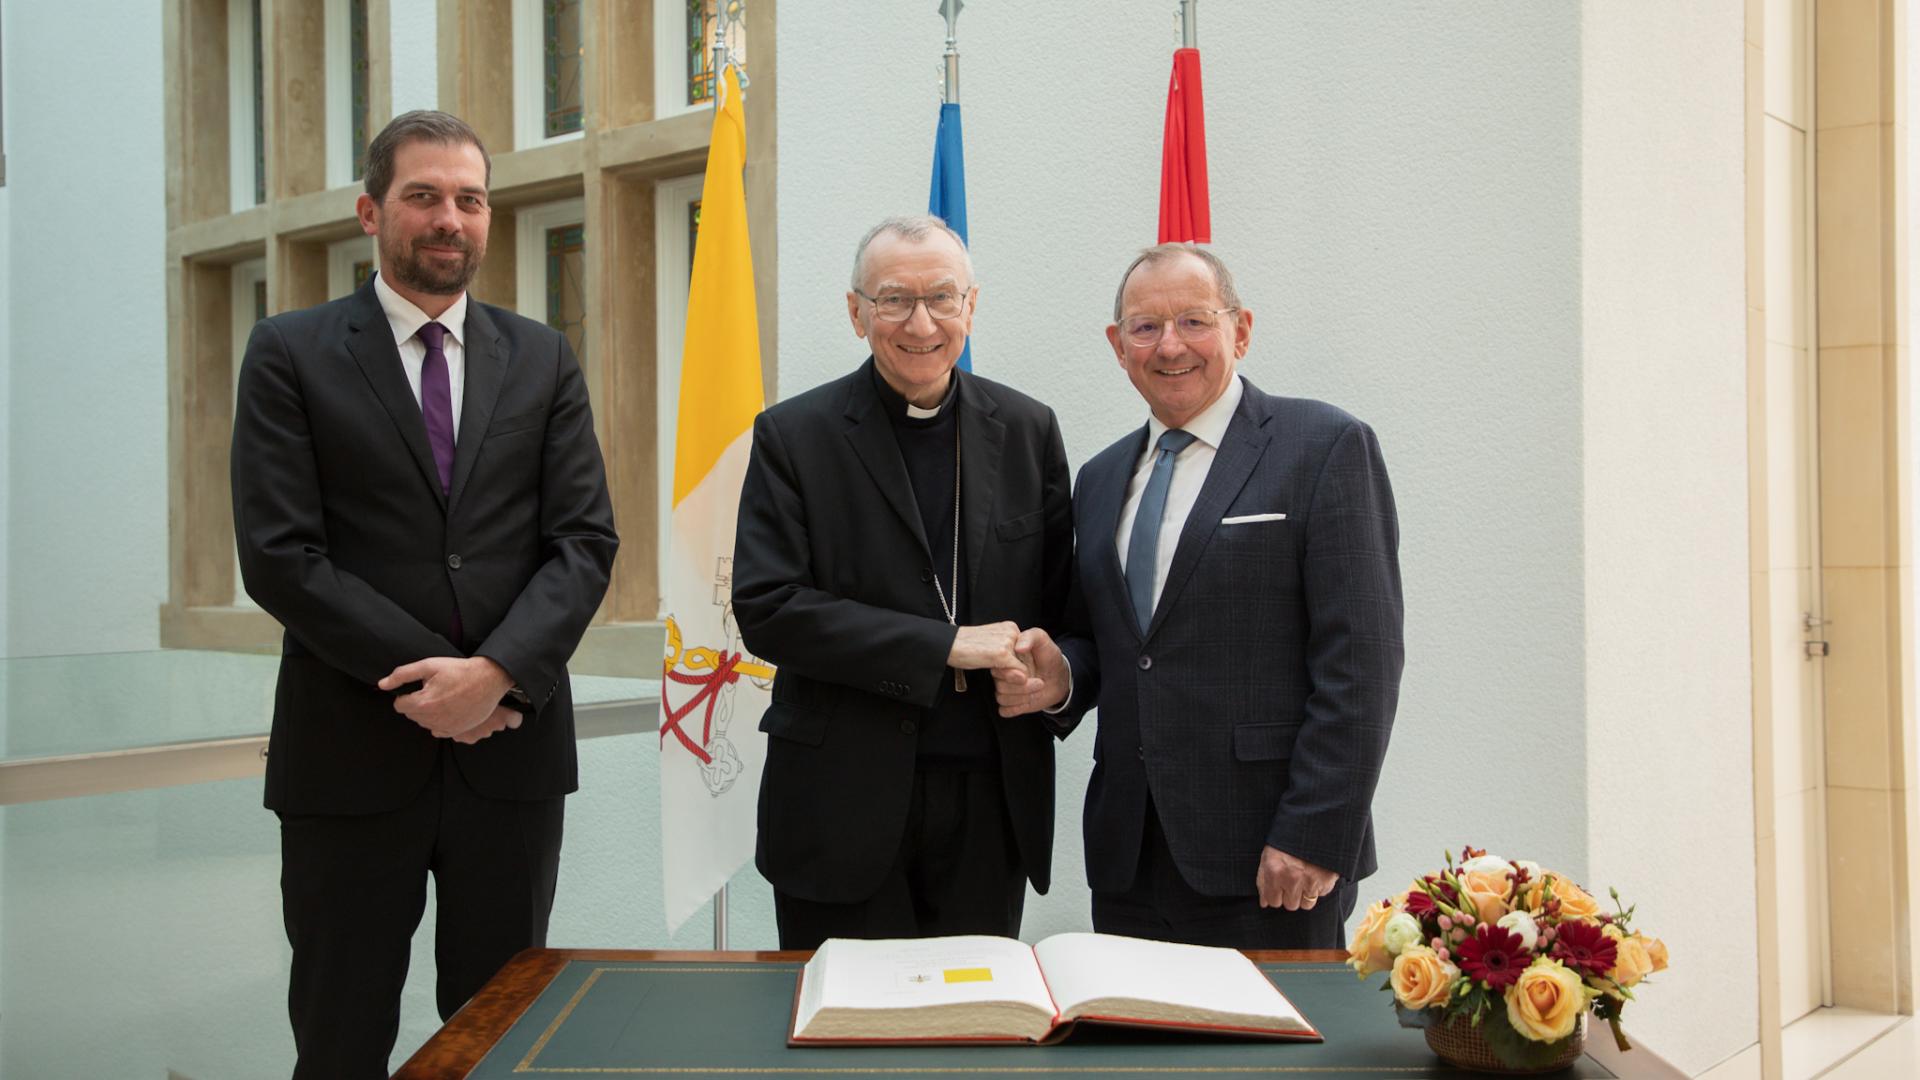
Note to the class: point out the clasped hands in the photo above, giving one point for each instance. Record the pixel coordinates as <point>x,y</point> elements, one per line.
<point>1029,672</point>
<point>458,699</point>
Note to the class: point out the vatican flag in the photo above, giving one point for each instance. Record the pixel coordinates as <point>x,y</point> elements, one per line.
<point>712,693</point>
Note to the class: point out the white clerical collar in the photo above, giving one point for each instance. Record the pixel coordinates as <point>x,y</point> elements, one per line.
<point>406,319</point>
<point>1210,426</point>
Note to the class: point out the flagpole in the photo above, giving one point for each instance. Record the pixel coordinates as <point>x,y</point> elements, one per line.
<point>1189,31</point>
<point>723,18</point>
<point>951,9</point>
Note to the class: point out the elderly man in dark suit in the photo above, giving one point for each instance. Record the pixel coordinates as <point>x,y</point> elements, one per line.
<point>1237,620</point>
<point>418,497</point>
<point>895,526</point>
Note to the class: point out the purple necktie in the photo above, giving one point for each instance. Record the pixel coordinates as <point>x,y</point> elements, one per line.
<point>436,405</point>
<point>436,402</point>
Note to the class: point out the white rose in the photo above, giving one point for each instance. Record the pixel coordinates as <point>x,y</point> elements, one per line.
<point>1402,930</point>
<point>1489,864</point>
<point>1521,923</point>
<point>1532,868</point>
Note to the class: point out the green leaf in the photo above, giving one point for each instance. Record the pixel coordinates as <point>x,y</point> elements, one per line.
<point>1416,1018</point>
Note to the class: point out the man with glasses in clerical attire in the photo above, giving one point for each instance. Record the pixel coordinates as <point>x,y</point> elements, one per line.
<point>1238,624</point>
<point>898,525</point>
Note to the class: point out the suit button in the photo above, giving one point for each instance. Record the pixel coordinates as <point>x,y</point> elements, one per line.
<point>926,576</point>
<point>1140,752</point>
<point>1146,662</point>
<point>453,562</point>
<point>908,726</point>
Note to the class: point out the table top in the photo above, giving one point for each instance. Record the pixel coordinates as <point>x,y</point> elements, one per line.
<point>564,1012</point>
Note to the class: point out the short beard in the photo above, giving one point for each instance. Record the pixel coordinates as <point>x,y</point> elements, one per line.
<point>409,269</point>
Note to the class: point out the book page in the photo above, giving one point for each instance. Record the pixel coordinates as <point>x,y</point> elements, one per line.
<point>897,975</point>
<point>1132,978</point>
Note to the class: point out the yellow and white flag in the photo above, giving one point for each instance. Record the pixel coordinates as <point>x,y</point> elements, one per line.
<point>712,692</point>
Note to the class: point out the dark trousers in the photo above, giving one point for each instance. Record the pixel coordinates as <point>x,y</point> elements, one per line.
<point>353,888</point>
<point>1161,905</point>
<point>957,872</point>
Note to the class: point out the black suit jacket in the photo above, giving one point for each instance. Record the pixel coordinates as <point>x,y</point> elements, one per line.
<point>829,584</point>
<point>346,537</point>
<point>1257,706</point>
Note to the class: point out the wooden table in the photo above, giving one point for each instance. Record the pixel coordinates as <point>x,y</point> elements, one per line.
<point>461,1046</point>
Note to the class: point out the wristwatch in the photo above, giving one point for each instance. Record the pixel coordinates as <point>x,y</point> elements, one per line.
<point>517,700</point>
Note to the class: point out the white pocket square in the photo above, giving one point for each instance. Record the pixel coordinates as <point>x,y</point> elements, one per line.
<point>1248,519</point>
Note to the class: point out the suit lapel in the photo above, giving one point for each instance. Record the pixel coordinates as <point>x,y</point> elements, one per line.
<point>871,435</point>
<point>486,363</point>
<point>1240,450</point>
<point>371,343</point>
<point>1104,490</point>
<point>982,438</point>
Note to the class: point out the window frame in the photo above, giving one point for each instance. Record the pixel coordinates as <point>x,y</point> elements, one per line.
<point>243,119</point>
<point>529,78</point>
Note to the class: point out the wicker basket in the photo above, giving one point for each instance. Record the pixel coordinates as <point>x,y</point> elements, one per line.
<point>1462,1044</point>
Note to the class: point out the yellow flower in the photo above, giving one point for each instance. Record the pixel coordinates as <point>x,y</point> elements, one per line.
<point>1367,953</point>
<point>1632,961</point>
<point>1421,979</point>
<point>1489,891</point>
<point>1657,952</point>
<point>1575,903</point>
<point>1546,1002</point>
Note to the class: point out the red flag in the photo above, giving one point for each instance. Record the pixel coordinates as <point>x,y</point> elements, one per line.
<point>1184,215</point>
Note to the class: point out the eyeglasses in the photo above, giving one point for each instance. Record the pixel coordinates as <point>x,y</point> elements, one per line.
<point>898,306</point>
<point>1145,331</point>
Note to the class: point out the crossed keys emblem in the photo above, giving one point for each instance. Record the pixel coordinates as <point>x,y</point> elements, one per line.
<point>710,675</point>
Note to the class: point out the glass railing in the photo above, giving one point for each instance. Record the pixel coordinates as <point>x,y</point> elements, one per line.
<point>140,930</point>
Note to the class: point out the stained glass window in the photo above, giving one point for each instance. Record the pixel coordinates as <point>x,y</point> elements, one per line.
<point>259,300</point>
<point>361,272</point>
<point>564,59</point>
<point>566,285</point>
<point>259,112</point>
<point>693,232</point>
<point>702,18</point>
<point>357,58</point>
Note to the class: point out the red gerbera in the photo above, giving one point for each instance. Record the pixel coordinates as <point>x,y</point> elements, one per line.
<point>1494,955</point>
<point>1420,905</point>
<point>1582,946</point>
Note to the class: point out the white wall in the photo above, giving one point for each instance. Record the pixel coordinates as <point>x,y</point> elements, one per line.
<point>1398,192</point>
<point>1669,710</point>
<point>416,56</point>
<point>87,423</point>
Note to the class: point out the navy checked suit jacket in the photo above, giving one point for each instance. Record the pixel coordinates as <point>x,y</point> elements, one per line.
<point>1256,708</point>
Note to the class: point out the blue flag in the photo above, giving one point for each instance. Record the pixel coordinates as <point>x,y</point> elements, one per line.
<point>948,200</point>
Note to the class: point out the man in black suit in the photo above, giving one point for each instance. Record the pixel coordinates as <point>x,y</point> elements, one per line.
<point>1237,620</point>
<point>418,497</point>
<point>895,526</point>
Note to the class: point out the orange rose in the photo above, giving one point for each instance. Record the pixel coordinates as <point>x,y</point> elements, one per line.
<point>1575,903</point>
<point>1488,891</point>
<point>1546,1003</point>
<point>1657,952</point>
<point>1631,961</point>
<point>1367,953</point>
<point>1421,979</point>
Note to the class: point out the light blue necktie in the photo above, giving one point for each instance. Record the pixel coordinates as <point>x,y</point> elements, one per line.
<point>1144,541</point>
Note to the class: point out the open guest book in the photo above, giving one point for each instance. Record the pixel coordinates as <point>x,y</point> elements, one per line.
<point>994,989</point>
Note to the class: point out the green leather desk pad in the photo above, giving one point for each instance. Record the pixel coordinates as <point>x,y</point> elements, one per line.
<point>730,1019</point>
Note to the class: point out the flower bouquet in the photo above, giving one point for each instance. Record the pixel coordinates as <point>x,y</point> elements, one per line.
<point>1507,957</point>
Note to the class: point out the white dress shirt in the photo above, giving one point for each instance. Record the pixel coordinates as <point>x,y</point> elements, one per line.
<point>1190,468</point>
<point>406,321</point>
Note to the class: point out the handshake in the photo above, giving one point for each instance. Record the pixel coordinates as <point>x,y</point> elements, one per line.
<point>1030,674</point>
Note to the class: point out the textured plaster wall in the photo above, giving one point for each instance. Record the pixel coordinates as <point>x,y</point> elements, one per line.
<point>1668,699</point>
<point>1397,189</point>
<point>87,417</point>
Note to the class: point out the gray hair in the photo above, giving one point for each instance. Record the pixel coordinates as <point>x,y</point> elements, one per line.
<point>910,227</point>
<point>1159,253</point>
